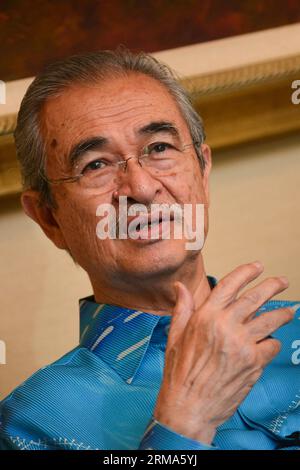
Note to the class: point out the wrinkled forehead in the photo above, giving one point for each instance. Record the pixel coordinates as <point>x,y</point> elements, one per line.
<point>120,105</point>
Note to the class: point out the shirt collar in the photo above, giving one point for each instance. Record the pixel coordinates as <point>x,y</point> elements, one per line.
<point>119,336</point>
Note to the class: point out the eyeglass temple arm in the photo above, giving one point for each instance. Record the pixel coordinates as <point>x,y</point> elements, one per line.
<point>58,180</point>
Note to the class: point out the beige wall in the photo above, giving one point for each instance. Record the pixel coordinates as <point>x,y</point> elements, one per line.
<point>255,210</point>
<point>255,200</point>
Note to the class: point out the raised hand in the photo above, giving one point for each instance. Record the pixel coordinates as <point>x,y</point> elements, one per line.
<point>215,354</point>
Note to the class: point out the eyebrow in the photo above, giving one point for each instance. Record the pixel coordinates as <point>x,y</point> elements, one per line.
<point>98,142</point>
<point>79,149</point>
<point>159,126</point>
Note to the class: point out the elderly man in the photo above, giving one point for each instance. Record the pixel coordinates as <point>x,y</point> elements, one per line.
<point>169,358</point>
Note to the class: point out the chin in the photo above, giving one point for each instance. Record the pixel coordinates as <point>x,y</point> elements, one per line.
<point>157,259</point>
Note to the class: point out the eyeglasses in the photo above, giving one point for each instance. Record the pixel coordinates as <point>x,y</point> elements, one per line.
<point>101,169</point>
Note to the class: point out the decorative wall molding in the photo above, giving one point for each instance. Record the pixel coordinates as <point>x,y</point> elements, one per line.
<point>247,103</point>
<point>238,104</point>
<point>10,180</point>
<point>7,124</point>
<point>242,77</point>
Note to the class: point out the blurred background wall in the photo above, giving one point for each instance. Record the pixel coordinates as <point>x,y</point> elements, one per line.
<point>252,127</point>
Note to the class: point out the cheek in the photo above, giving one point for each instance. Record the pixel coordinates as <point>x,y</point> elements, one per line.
<point>78,223</point>
<point>196,188</point>
<point>79,228</point>
<point>187,186</point>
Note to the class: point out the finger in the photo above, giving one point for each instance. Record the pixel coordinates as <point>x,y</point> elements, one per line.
<point>268,349</point>
<point>250,301</point>
<point>267,323</point>
<point>182,312</point>
<point>225,292</point>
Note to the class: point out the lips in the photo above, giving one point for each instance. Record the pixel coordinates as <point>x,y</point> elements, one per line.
<point>150,220</point>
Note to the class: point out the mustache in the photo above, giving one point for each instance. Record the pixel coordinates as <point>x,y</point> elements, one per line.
<point>173,208</point>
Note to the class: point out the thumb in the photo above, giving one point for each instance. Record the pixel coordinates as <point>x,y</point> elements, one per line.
<point>182,311</point>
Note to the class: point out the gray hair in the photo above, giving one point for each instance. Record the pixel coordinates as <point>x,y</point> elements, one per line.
<point>82,69</point>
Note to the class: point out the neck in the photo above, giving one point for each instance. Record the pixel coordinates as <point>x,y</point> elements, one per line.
<point>155,295</point>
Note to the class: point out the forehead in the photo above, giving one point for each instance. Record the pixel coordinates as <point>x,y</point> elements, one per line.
<point>119,105</point>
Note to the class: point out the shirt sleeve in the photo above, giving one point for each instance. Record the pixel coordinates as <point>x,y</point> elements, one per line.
<point>159,437</point>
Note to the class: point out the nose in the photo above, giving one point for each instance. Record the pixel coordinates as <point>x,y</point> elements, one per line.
<point>136,183</point>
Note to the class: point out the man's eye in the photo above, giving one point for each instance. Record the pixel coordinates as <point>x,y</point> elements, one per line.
<point>160,147</point>
<point>94,165</point>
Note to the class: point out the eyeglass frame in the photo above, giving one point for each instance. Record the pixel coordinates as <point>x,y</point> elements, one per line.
<point>74,179</point>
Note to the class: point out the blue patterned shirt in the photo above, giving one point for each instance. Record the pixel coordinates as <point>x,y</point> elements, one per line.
<point>101,395</point>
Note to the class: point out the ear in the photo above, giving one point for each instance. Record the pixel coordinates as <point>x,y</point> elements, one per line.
<point>44,216</point>
<point>206,152</point>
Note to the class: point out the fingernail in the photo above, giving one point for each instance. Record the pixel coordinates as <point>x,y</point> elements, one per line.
<point>285,280</point>
<point>258,264</point>
<point>294,308</point>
